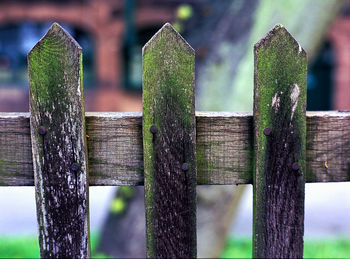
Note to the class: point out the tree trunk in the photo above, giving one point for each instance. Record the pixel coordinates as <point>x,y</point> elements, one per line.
<point>123,233</point>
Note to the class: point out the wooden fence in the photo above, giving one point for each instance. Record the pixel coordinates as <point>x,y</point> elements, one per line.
<point>170,148</point>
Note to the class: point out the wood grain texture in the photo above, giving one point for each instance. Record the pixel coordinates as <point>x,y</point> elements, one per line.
<point>224,148</point>
<point>170,149</point>
<point>115,148</point>
<point>57,126</point>
<point>328,146</point>
<point>279,146</point>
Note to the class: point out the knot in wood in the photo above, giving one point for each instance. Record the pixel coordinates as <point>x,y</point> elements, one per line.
<point>267,131</point>
<point>42,130</point>
<point>184,167</point>
<point>295,166</point>
<point>153,129</point>
<point>74,167</point>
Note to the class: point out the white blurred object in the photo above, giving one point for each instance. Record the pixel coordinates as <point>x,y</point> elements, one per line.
<point>18,212</point>
<point>327,206</point>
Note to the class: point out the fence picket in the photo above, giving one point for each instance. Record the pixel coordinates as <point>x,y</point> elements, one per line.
<point>280,142</point>
<point>169,145</point>
<point>58,145</point>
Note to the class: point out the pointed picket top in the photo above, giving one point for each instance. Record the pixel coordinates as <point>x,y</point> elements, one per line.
<point>280,73</point>
<point>275,54</point>
<point>57,125</point>
<point>56,53</point>
<point>277,35</point>
<point>168,34</point>
<point>58,32</point>
<point>169,145</point>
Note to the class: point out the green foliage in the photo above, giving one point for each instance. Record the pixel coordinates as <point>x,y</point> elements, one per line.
<point>313,248</point>
<point>126,191</point>
<point>178,27</point>
<point>117,206</point>
<point>184,12</point>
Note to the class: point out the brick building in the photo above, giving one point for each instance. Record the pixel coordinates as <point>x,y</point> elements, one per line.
<point>339,36</point>
<point>106,23</point>
<point>116,31</point>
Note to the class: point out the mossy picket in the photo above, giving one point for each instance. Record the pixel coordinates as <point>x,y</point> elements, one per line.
<point>59,145</point>
<point>276,149</point>
<point>280,143</point>
<point>169,137</point>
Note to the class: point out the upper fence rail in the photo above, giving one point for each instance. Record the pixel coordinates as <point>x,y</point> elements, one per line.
<point>224,148</point>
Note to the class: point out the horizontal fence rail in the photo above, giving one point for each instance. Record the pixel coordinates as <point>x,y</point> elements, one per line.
<point>224,148</point>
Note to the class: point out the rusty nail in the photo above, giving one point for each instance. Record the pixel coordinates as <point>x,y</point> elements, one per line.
<point>75,167</point>
<point>153,129</point>
<point>42,130</point>
<point>184,167</point>
<point>267,131</point>
<point>295,166</point>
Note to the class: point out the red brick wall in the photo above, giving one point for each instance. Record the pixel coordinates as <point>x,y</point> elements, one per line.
<point>98,17</point>
<point>340,37</point>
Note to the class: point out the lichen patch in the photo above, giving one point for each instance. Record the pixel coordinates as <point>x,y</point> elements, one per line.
<point>294,97</point>
<point>300,49</point>
<point>275,102</point>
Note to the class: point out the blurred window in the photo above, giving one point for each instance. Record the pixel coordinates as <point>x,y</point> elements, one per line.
<point>320,80</point>
<point>16,40</point>
<point>132,58</point>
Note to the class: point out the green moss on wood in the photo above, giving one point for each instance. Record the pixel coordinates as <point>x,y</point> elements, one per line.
<point>168,80</point>
<point>56,102</point>
<point>281,63</point>
<point>280,75</point>
<point>49,68</point>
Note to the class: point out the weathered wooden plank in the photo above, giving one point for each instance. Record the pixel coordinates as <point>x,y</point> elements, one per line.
<point>16,161</point>
<point>279,145</point>
<point>169,139</point>
<point>224,148</point>
<point>58,139</point>
<point>115,148</point>
<point>328,147</point>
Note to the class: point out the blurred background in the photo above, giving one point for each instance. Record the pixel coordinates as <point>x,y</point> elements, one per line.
<point>222,33</point>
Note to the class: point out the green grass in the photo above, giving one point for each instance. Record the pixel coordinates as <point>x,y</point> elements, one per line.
<point>17,247</point>
<point>313,248</point>
<point>27,247</point>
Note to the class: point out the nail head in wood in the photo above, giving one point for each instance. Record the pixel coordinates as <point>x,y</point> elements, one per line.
<point>75,167</point>
<point>267,131</point>
<point>42,130</point>
<point>295,166</point>
<point>184,167</point>
<point>153,129</point>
